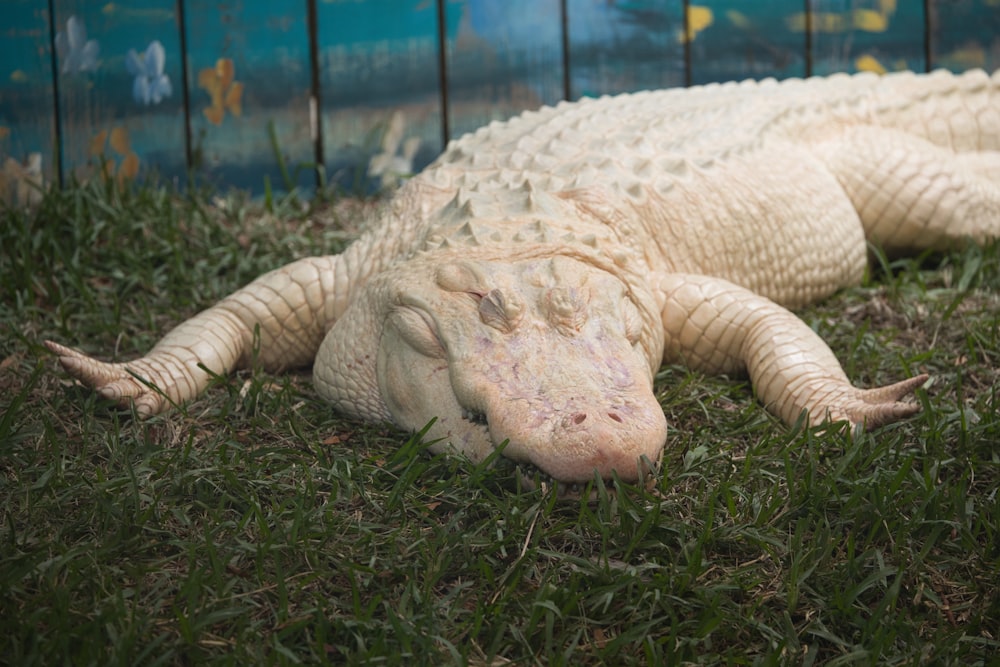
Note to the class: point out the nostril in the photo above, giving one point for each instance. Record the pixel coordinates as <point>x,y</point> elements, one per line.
<point>614,416</point>
<point>579,417</point>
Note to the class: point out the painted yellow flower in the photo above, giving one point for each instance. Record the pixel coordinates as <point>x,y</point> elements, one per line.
<point>225,92</point>
<point>118,140</point>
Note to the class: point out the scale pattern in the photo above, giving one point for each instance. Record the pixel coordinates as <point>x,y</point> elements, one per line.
<point>526,286</point>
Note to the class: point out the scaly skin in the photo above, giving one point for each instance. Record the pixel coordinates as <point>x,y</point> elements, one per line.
<point>526,286</point>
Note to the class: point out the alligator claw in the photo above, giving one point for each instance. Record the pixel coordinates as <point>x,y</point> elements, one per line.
<point>876,407</point>
<point>117,382</point>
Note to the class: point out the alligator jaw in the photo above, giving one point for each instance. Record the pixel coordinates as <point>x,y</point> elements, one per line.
<point>532,478</point>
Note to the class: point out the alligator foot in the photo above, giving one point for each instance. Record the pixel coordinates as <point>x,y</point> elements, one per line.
<point>137,382</point>
<point>871,408</point>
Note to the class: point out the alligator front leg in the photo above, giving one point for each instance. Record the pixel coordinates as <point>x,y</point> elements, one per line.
<point>715,326</point>
<point>291,307</point>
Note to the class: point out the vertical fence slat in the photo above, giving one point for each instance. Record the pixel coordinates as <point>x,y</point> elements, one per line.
<point>381,99</point>
<point>502,58</point>
<point>875,36</point>
<point>250,84</point>
<point>741,40</point>
<point>442,48</point>
<point>622,48</point>
<point>119,74</point>
<point>27,99</point>
<point>964,34</point>
<point>315,90</point>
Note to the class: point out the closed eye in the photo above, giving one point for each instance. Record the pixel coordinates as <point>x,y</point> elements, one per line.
<point>418,329</point>
<point>633,321</point>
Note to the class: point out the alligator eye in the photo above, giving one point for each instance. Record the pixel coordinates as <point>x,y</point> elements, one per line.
<point>419,331</point>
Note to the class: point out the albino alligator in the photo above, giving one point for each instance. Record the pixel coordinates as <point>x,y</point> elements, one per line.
<point>527,285</point>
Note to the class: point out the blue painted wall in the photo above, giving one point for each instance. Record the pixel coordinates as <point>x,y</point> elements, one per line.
<point>257,93</point>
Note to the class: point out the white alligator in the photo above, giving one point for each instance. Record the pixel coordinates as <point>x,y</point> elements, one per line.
<point>525,287</point>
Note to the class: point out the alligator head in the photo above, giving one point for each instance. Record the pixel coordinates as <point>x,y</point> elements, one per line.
<point>553,356</point>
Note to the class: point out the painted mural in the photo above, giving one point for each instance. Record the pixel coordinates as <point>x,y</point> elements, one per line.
<point>361,93</point>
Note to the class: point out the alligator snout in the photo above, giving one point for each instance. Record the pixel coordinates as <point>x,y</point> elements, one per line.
<point>574,445</point>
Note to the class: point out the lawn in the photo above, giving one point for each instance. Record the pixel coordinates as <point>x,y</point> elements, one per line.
<point>254,526</point>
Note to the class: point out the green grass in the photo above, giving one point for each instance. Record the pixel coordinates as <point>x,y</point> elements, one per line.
<point>255,526</point>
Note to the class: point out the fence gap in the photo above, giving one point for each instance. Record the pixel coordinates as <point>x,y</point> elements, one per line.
<point>443,71</point>
<point>928,32</point>
<point>185,89</point>
<point>686,31</point>
<point>315,93</point>
<point>564,18</point>
<point>808,11</point>
<point>56,107</point>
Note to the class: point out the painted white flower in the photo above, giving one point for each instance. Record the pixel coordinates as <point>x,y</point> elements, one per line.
<point>75,51</point>
<point>151,85</point>
<point>395,162</point>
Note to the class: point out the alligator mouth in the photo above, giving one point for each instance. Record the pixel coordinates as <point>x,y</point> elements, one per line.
<point>531,478</point>
<point>475,417</point>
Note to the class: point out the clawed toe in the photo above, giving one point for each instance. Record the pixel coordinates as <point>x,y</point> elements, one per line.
<point>112,381</point>
<point>91,372</point>
<point>883,405</point>
<point>894,392</point>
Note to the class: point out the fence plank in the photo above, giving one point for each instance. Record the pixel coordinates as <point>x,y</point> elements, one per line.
<point>504,57</point>
<point>120,111</point>
<point>734,39</point>
<point>27,100</point>
<point>380,87</point>
<point>249,79</point>
<point>870,35</point>
<point>965,34</point>
<point>623,47</point>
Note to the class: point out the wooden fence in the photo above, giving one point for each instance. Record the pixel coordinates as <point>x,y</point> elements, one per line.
<point>252,92</point>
